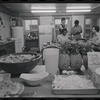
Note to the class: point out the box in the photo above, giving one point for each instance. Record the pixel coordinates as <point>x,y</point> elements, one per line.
<point>93,63</point>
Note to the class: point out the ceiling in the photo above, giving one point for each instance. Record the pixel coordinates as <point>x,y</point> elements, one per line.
<point>25,8</point>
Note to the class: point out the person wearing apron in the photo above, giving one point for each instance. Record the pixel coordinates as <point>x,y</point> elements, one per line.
<point>62,25</point>
<point>76,30</point>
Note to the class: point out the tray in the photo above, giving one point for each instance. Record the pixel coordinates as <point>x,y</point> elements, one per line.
<point>86,91</point>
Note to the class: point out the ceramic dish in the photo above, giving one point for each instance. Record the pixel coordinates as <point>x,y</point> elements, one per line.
<point>34,79</point>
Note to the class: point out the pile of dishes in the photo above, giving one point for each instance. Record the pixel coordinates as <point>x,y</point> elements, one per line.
<point>9,88</point>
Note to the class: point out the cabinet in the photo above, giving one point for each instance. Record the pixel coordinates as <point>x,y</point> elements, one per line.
<point>31,26</point>
<point>10,48</point>
<point>31,44</point>
<point>7,48</point>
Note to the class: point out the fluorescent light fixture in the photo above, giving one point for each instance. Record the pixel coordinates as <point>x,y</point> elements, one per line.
<point>43,11</point>
<point>79,7</point>
<point>78,10</point>
<point>43,7</point>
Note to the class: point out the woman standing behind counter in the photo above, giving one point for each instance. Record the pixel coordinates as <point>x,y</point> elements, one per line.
<point>62,25</point>
<point>76,30</point>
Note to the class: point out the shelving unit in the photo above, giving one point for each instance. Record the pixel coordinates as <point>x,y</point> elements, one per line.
<point>31,26</point>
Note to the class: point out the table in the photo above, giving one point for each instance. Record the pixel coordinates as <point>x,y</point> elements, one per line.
<point>44,90</point>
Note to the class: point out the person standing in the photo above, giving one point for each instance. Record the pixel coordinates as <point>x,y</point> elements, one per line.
<point>62,25</point>
<point>76,30</point>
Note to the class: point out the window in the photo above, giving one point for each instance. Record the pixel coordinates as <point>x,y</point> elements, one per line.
<point>31,23</point>
<point>58,21</point>
<point>88,23</point>
<point>27,24</point>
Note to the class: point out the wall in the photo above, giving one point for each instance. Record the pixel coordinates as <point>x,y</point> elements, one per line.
<point>5,31</point>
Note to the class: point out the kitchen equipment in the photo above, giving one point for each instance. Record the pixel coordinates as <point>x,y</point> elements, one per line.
<point>18,68</point>
<point>18,32</point>
<point>34,79</point>
<point>51,57</point>
<point>18,45</point>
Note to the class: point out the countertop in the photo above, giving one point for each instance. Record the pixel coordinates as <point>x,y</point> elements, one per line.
<point>44,90</point>
<point>5,42</point>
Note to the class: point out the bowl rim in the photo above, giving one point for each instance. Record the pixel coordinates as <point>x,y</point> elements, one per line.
<point>37,57</point>
<point>40,79</point>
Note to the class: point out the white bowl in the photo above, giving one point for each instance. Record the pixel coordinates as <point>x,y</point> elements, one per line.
<point>97,75</point>
<point>34,79</point>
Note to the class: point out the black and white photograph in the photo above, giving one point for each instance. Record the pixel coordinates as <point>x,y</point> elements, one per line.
<point>50,50</point>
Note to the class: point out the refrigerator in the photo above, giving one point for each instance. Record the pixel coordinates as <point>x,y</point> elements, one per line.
<point>18,33</point>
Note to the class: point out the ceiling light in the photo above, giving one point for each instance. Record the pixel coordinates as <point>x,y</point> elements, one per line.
<point>78,10</point>
<point>43,7</point>
<point>43,11</point>
<point>79,7</point>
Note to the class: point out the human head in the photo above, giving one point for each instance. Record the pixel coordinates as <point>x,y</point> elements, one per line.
<point>95,29</point>
<point>64,31</point>
<point>76,22</point>
<point>63,20</point>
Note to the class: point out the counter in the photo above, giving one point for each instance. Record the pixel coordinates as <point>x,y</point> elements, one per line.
<point>7,47</point>
<point>44,90</point>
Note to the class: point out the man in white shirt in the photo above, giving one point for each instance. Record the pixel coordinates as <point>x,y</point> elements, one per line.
<point>96,34</point>
<point>64,37</point>
<point>96,37</point>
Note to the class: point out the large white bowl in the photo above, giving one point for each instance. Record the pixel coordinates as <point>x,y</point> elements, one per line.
<point>34,79</point>
<point>97,75</point>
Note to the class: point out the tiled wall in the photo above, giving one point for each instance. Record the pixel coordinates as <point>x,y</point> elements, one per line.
<point>5,28</point>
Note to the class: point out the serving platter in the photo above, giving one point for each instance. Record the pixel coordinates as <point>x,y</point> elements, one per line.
<point>66,91</point>
<point>4,93</point>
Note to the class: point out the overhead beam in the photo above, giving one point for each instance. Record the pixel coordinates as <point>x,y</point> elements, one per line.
<point>7,11</point>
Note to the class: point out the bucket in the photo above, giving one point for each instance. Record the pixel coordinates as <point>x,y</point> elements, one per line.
<point>51,56</point>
